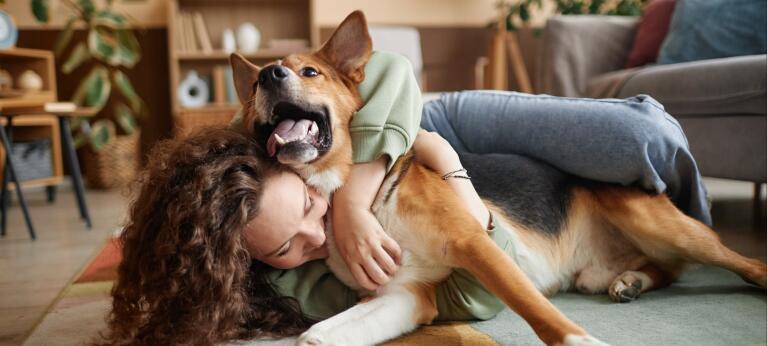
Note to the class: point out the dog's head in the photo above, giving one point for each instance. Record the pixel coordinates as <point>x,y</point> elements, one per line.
<point>299,108</point>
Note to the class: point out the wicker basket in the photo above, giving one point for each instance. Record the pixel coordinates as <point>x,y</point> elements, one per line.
<point>192,119</point>
<point>114,165</point>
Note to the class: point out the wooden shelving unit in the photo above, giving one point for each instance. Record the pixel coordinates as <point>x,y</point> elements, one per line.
<point>275,19</point>
<point>30,127</point>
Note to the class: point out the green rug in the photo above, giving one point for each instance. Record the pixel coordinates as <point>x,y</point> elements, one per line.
<point>707,306</point>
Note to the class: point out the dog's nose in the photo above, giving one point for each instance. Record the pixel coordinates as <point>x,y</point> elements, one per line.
<point>272,75</point>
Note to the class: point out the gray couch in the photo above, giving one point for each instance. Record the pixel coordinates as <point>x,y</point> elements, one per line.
<point>721,103</point>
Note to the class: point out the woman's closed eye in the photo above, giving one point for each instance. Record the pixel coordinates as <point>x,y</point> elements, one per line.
<point>285,250</point>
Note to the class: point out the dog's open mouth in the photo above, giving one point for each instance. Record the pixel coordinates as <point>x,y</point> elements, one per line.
<point>299,134</point>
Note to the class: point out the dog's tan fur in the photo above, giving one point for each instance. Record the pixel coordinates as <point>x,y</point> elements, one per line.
<point>614,239</point>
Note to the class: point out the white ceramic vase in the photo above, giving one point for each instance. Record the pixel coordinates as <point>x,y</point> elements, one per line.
<point>248,38</point>
<point>228,43</point>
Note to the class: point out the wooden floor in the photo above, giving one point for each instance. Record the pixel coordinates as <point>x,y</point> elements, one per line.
<point>32,273</point>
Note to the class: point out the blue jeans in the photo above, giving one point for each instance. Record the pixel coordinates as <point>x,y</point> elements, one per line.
<point>630,142</point>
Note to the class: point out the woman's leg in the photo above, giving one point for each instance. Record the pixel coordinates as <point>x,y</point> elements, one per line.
<point>629,141</point>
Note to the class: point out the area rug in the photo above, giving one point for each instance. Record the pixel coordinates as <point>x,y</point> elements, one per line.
<point>707,306</point>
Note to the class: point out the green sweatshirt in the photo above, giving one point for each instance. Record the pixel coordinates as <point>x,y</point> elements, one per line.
<point>321,295</point>
<point>387,124</point>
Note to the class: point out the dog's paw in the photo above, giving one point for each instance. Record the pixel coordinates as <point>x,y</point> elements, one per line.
<point>582,340</point>
<point>626,287</point>
<point>759,277</point>
<point>310,338</point>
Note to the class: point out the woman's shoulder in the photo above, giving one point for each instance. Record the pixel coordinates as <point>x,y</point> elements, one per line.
<point>384,60</point>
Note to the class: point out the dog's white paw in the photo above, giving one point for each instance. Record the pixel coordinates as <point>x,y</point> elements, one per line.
<point>582,340</point>
<point>626,287</point>
<point>310,338</point>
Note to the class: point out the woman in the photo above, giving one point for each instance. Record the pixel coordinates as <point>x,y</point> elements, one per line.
<point>203,244</point>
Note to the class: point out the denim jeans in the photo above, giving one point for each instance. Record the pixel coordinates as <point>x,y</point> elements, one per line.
<point>631,141</point>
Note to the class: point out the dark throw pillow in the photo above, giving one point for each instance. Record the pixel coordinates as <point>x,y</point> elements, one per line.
<point>709,29</point>
<point>651,31</point>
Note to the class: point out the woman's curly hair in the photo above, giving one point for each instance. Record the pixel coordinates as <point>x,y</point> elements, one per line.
<point>186,276</point>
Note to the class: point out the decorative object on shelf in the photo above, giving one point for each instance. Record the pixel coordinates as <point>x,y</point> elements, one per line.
<point>193,91</point>
<point>228,43</point>
<point>30,81</point>
<point>6,81</point>
<point>107,52</point>
<point>8,31</point>
<point>33,159</point>
<point>248,38</point>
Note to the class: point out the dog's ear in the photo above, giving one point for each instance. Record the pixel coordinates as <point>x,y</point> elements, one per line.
<point>245,77</point>
<point>350,46</point>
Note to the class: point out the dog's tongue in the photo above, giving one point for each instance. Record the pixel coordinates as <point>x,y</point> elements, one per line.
<point>289,131</point>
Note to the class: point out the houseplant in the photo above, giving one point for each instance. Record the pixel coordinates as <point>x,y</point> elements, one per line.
<point>110,47</point>
<point>519,11</point>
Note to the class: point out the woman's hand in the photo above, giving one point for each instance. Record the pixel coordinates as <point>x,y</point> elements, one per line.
<point>371,255</point>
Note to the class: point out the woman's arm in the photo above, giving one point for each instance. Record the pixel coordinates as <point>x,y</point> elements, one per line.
<point>370,253</point>
<point>435,152</point>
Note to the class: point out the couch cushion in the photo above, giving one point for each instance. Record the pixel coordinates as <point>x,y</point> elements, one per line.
<point>652,29</point>
<point>724,86</point>
<point>709,29</point>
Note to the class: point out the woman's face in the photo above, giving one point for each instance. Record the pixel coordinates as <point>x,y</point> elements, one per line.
<point>289,228</point>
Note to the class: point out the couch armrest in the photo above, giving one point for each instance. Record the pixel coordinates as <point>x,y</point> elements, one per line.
<point>577,48</point>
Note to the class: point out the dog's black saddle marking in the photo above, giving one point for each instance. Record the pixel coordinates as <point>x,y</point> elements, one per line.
<point>531,192</point>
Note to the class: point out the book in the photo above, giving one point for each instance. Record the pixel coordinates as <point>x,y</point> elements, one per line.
<point>219,84</point>
<point>201,32</point>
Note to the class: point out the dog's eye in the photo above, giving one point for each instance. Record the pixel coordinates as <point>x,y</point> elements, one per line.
<point>309,72</point>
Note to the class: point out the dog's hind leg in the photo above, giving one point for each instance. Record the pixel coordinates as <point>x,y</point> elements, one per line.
<point>668,236</point>
<point>396,311</point>
<point>630,284</point>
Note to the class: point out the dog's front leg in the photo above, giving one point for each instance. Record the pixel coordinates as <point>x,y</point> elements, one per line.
<point>396,311</point>
<point>474,251</point>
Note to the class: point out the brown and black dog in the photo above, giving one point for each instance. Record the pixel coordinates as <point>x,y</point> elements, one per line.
<point>593,237</point>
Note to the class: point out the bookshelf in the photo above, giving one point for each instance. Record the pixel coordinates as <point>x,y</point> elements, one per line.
<point>285,26</point>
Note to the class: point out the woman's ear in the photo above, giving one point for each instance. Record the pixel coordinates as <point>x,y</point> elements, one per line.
<point>245,75</point>
<point>350,46</point>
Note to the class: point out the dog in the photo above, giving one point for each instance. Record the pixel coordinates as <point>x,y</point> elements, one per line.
<point>577,234</point>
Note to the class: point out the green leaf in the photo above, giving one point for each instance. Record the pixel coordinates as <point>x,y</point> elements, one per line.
<point>101,133</point>
<point>110,19</point>
<point>524,13</point>
<point>128,48</point>
<point>94,89</point>
<point>64,37</point>
<point>102,45</point>
<point>126,88</point>
<point>125,118</point>
<point>40,10</point>
<point>78,56</point>
<point>87,8</point>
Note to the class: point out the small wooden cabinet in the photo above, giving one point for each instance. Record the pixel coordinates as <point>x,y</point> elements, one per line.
<point>31,127</point>
<point>275,19</point>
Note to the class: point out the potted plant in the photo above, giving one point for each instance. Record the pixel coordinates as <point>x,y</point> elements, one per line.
<point>109,140</point>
